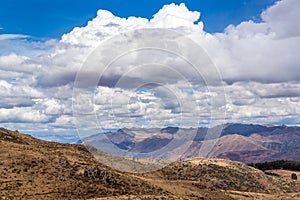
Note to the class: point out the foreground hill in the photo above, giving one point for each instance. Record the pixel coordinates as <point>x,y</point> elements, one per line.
<point>223,179</point>
<point>239,142</point>
<point>36,169</point>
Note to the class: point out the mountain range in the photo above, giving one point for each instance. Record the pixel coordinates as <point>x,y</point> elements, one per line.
<point>238,142</point>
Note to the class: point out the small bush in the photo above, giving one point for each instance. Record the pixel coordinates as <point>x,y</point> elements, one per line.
<point>294,176</point>
<point>271,174</point>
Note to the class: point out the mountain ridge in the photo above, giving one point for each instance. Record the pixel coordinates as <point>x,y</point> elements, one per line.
<point>235,141</point>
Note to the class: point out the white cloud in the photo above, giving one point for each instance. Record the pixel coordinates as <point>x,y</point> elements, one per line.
<point>22,115</point>
<point>259,57</point>
<point>276,90</point>
<point>283,18</point>
<point>173,16</point>
<point>64,121</point>
<point>258,62</point>
<point>265,51</point>
<point>15,90</point>
<point>13,62</point>
<point>11,36</point>
<point>51,107</point>
<point>251,47</point>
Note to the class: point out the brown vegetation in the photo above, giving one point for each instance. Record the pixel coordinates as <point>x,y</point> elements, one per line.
<point>36,169</point>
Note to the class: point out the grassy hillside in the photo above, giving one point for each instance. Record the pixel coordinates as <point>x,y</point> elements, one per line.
<point>36,169</point>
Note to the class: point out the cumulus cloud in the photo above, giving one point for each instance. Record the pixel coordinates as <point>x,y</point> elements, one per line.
<point>172,16</point>
<point>258,57</point>
<point>13,62</point>
<point>22,115</point>
<point>76,46</point>
<point>13,90</point>
<point>282,19</point>
<point>253,47</point>
<point>257,61</point>
<point>264,51</point>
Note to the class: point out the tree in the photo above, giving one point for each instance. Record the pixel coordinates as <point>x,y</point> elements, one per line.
<point>294,176</point>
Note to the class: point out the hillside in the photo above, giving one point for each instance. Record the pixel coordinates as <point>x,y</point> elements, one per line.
<point>223,179</point>
<point>36,169</point>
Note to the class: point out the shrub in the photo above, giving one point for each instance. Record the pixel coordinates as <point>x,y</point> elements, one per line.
<point>271,174</point>
<point>294,176</point>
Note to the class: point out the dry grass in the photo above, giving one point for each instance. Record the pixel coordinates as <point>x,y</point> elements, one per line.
<point>262,196</point>
<point>35,169</point>
<point>286,174</point>
<point>218,162</point>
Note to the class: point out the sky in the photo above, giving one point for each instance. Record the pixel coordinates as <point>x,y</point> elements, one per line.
<point>51,19</point>
<point>51,52</point>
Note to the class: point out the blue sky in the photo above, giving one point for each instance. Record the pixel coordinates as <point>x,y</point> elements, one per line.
<point>51,19</point>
